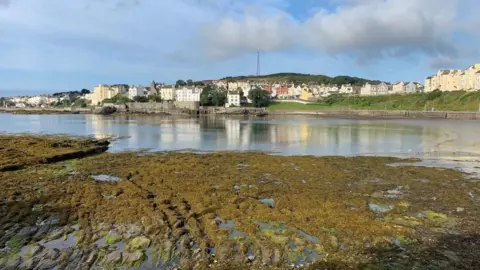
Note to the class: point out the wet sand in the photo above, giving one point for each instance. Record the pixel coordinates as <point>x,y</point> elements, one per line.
<point>233,210</point>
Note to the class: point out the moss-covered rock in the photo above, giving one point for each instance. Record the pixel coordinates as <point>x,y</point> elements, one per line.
<point>138,243</point>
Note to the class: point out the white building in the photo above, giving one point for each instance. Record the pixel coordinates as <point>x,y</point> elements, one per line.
<point>349,89</point>
<point>167,93</point>
<point>188,93</point>
<point>233,99</point>
<point>36,100</point>
<point>88,97</point>
<point>136,91</point>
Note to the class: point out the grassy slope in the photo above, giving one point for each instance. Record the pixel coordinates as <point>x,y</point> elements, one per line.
<point>297,106</point>
<point>448,101</point>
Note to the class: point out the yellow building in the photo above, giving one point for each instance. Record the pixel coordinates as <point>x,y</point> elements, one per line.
<point>306,94</point>
<point>453,80</point>
<point>101,92</point>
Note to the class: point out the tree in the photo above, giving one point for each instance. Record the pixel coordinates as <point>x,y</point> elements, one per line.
<point>189,82</point>
<point>180,83</point>
<point>155,98</point>
<point>80,103</point>
<point>85,91</point>
<point>140,99</point>
<point>206,96</point>
<point>219,98</point>
<point>117,99</point>
<point>213,96</point>
<point>259,97</point>
<point>3,101</point>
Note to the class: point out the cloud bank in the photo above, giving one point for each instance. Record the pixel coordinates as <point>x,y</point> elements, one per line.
<point>139,39</point>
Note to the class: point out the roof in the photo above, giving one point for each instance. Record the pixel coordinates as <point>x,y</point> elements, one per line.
<point>234,92</point>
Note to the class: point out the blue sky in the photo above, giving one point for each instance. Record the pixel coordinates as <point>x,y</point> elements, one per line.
<point>54,45</point>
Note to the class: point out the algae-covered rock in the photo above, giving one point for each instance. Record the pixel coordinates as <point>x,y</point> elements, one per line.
<point>112,237</point>
<point>138,243</point>
<point>133,259</point>
<point>407,221</point>
<point>438,219</point>
<point>113,258</point>
<point>33,250</point>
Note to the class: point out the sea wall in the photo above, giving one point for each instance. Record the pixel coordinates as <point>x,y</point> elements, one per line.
<point>404,114</point>
<point>29,110</point>
<point>176,107</point>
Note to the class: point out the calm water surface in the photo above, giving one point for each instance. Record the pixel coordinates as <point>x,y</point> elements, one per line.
<point>287,135</point>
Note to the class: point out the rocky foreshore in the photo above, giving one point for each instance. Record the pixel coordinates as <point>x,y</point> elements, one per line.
<point>230,210</point>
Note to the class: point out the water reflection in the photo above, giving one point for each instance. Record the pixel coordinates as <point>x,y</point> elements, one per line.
<point>292,135</point>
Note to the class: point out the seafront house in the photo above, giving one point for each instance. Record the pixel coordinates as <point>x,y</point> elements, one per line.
<point>349,89</point>
<point>101,92</point>
<point>399,88</point>
<point>454,80</point>
<point>233,99</point>
<point>119,89</point>
<point>369,89</point>
<point>167,92</point>
<point>306,94</point>
<point>188,93</point>
<point>413,87</point>
<point>136,91</point>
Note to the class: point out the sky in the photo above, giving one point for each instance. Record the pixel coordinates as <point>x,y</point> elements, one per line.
<point>58,45</point>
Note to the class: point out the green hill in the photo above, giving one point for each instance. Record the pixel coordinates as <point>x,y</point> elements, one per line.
<point>299,78</point>
<point>440,101</point>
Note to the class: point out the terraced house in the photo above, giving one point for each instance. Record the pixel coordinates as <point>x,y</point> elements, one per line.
<point>454,80</point>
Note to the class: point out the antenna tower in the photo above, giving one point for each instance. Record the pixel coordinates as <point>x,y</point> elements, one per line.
<point>258,63</point>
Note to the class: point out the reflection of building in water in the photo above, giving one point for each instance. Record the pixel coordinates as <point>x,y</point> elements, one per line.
<point>100,128</point>
<point>187,133</point>
<point>232,132</point>
<point>292,134</point>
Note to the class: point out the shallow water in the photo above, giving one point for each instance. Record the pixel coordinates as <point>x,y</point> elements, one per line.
<point>285,135</point>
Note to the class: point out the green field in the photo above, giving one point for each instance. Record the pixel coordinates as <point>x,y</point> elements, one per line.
<point>439,101</point>
<point>297,106</point>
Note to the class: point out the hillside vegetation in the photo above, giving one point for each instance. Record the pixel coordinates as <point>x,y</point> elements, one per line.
<point>440,101</point>
<point>298,78</point>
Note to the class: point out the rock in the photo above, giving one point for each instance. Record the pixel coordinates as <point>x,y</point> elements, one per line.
<point>50,221</point>
<point>113,237</point>
<point>438,219</point>
<point>130,230</point>
<point>107,110</point>
<point>56,233</point>
<point>333,241</point>
<point>48,259</point>
<point>75,256</point>
<point>460,209</point>
<point>134,259</point>
<point>113,258</point>
<point>33,250</point>
<point>91,257</point>
<point>452,256</point>
<point>13,263</point>
<point>29,263</point>
<point>27,231</point>
<point>377,194</point>
<point>42,231</point>
<point>138,243</point>
<point>378,208</point>
<point>66,255</point>
<point>407,221</point>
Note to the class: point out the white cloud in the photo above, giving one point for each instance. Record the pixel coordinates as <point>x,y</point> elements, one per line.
<point>251,33</point>
<point>366,30</point>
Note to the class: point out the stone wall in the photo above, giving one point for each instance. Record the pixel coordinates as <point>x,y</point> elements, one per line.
<point>404,114</point>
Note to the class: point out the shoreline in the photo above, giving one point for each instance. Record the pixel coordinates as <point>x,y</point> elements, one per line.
<point>342,114</point>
